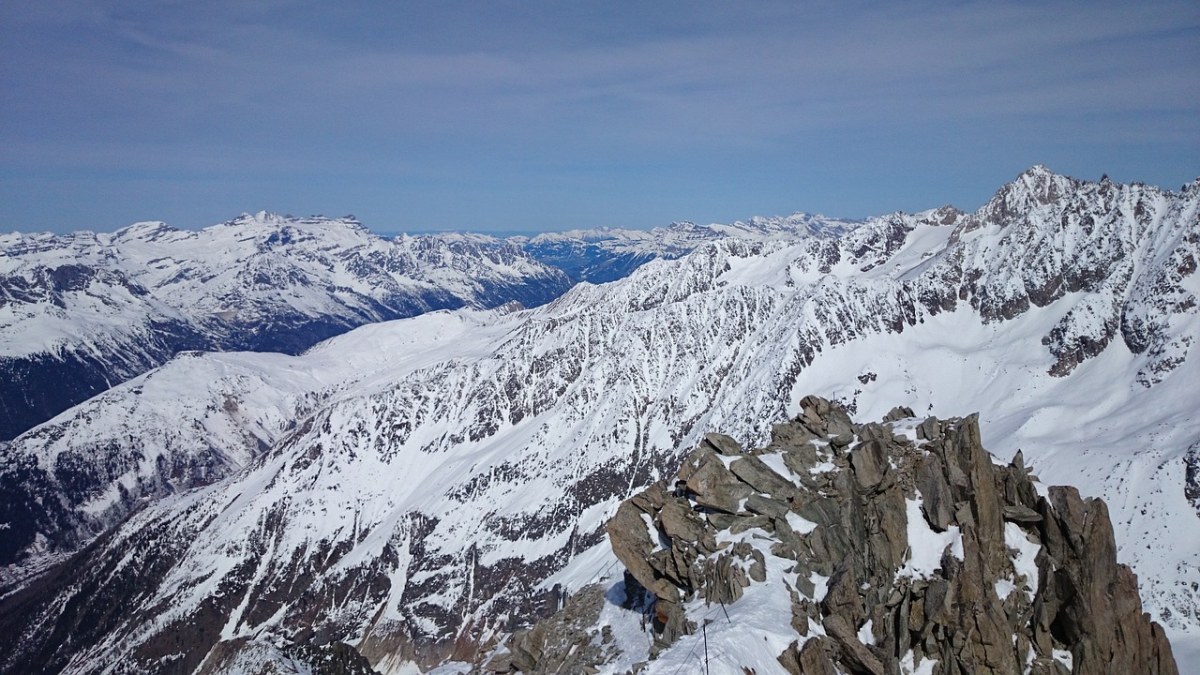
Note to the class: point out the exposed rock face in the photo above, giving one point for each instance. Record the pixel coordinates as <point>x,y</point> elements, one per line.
<point>900,543</point>
<point>1191,487</point>
<point>561,644</point>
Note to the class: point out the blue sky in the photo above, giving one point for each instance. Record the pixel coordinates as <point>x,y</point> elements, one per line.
<point>548,115</point>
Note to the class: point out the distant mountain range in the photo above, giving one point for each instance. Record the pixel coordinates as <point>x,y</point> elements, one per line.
<point>608,254</point>
<point>85,311</point>
<point>414,490</point>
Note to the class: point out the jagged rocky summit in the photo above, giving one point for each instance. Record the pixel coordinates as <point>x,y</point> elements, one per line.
<point>880,548</point>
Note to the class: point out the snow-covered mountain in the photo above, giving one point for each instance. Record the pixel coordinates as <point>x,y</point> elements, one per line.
<point>419,510</point>
<point>81,312</point>
<point>607,254</point>
<point>197,419</point>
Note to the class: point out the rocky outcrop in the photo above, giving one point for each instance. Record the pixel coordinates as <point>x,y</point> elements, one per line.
<point>900,543</point>
<point>561,644</point>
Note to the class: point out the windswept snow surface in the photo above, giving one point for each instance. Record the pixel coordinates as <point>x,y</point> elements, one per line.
<point>434,502</point>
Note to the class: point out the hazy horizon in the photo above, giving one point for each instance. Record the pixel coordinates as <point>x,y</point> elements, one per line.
<point>384,230</point>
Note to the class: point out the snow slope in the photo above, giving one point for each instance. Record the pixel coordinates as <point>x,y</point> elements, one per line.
<point>424,511</point>
<point>196,420</point>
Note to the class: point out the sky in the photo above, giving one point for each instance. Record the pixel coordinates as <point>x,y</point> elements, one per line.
<point>502,116</point>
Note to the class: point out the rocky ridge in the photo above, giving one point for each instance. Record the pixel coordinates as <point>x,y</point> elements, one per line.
<point>899,547</point>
